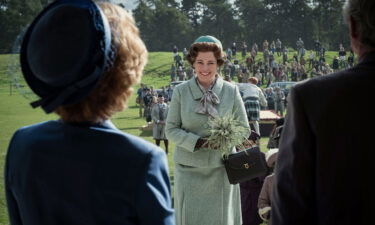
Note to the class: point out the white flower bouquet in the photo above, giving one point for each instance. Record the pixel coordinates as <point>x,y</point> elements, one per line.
<point>225,133</point>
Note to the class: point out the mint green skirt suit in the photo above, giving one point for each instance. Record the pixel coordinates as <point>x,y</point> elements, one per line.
<point>202,193</point>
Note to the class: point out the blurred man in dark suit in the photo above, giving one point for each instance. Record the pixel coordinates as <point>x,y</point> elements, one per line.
<point>325,163</point>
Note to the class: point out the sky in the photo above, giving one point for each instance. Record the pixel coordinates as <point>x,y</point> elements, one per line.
<point>129,4</point>
<point>132,4</point>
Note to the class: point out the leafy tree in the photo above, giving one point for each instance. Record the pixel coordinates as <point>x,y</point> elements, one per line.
<point>193,10</point>
<point>144,16</point>
<point>328,22</point>
<point>252,16</point>
<point>218,20</point>
<point>289,20</point>
<point>162,26</point>
<point>164,23</point>
<point>15,15</point>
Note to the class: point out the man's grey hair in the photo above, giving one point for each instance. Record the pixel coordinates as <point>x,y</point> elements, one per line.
<point>363,14</point>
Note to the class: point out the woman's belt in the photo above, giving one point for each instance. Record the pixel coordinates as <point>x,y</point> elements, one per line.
<point>252,98</point>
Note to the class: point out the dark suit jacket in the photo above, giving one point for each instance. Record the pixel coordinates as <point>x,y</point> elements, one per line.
<point>326,159</point>
<point>58,173</point>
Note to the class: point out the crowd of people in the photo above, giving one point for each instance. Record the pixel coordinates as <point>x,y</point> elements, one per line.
<point>278,67</point>
<point>81,169</point>
<point>274,64</point>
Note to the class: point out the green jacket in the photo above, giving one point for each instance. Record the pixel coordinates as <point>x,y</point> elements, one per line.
<point>184,126</point>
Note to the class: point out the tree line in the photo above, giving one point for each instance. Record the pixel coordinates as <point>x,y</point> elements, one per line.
<point>164,23</point>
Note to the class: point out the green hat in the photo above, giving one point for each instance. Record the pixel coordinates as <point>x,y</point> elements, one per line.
<point>208,38</point>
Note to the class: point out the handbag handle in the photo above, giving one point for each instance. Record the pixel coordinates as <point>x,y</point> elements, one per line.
<point>241,147</point>
<point>246,144</point>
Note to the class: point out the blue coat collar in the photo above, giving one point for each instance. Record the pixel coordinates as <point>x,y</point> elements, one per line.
<point>106,124</point>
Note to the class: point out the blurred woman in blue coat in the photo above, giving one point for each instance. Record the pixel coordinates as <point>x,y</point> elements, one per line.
<point>82,60</point>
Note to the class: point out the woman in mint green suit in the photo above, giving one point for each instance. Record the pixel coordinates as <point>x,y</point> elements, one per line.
<point>203,195</point>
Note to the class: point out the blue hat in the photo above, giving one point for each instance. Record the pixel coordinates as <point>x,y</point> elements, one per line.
<point>65,51</point>
<point>208,38</point>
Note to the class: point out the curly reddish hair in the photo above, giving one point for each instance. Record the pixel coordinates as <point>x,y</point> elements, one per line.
<point>253,80</point>
<point>115,87</point>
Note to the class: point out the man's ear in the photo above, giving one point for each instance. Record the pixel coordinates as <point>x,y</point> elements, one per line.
<point>354,35</point>
<point>353,28</point>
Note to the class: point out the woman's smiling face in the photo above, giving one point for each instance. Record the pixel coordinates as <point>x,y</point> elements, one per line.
<point>205,66</point>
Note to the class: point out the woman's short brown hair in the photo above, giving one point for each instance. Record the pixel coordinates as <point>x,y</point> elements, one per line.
<point>115,87</point>
<point>205,47</point>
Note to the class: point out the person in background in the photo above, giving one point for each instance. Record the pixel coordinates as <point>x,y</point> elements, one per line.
<point>254,51</point>
<point>253,98</point>
<point>250,63</point>
<point>311,59</point>
<point>244,50</point>
<point>203,194</point>
<point>140,92</point>
<point>285,55</point>
<point>279,99</point>
<point>173,72</point>
<point>229,53</point>
<point>266,57</point>
<point>259,76</point>
<point>175,50</point>
<point>234,49</point>
<point>159,115</point>
<point>322,62</point>
<point>342,57</point>
<point>273,47</point>
<point>178,60</point>
<point>325,167</point>
<point>80,169</point>
<point>228,79</point>
<point>317,47</point>
<point>170,92</point>
<point>278,47</point>
<point>250,190</point>
<point>274,139</point>
<point>300,44</point>
<point>148,99</point>
<point>181,73</point>
<point>164,93</point>
<point>255,48</point>
<point>265,45</point>
<point>265,196</point>
<point>153,91</point>
<point>335,64</point>
<point>184,53</point>
<point>351,59</point>
<point>243,73</point>
<point>322,51</point>
<point>268,94</point>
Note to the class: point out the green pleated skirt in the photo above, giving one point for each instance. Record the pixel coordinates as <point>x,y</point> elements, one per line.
<point>203,196</point>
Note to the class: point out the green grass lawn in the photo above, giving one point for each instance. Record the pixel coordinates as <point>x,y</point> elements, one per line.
<point>16,112</point>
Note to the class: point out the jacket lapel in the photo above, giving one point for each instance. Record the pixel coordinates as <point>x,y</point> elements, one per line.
<point>195,90</point>
<point>218,86</point>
